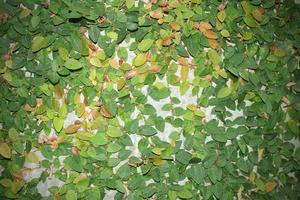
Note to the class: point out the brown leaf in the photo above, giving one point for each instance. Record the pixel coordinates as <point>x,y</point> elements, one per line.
<point>269,186</point>
<point>28,108</point>
<point>58,91</point>
<point>157,14</point>
<point>131,73</point>
<point>175,26</point>
<point>260,154</point>
<point>154,69</point>
<point>183,61</point>
<point>202,26</point>
<point>105,112</point>
<point>210,34</point>
<point>213,43</point>
<point>73,128</point>
<point>257,15</point>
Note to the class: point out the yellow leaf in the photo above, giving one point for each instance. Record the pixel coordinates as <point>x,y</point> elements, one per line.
<point>5,150</point>
<point>246,6</point>
<point>199,113</point>
<point>221,16</point>
<point>139,60</point>
<point>184,73</point>
<point>222,73</point>
<point>120,83</point>
<point>279,52</point>
<point>96,62</point>
<point>25,12</point>
<point>252,177</point>
<point>63,53</point>
<point>100,55</point>
<point>247,35</point>
<point>225,33</point>
<point>156,150</point>
<point>157,161</point>
<point>192,107</point>
<point>32,157</point>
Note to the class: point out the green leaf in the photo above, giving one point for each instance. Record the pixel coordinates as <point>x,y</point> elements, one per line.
<point>250,21</point>
<point>5,150</point>
<point>71,195</point>
<point>58,123</point>
<point>35,21</point>
<point>184,87</point>
<point>145,44</point>
<point>129,3</point>
<point>114,132</point>
<point>94,33</point>
<point>147,130</point>
<point>225,33</point>
<point>38,43</point>
<point>73,64</point>
<point>219,135</point>
<point>197,173</point>
<point>214,56</point>
<point>185,194</point>
<point>99,139</point>
<point>224,92</point>
<point>183,157</point>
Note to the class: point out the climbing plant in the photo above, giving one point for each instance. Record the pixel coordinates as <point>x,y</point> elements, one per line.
<point>123,99</point>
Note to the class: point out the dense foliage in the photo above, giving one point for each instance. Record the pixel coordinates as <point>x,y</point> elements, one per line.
<point>179,99</point>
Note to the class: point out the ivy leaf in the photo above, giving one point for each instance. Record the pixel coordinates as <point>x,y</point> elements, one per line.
<point>73,64</point>
<point>5,150</point>
<point>145,44</point>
